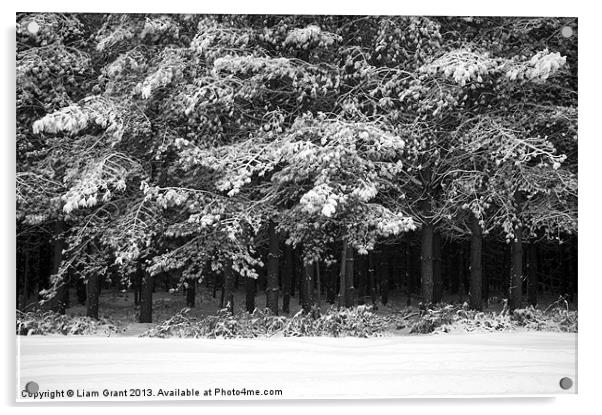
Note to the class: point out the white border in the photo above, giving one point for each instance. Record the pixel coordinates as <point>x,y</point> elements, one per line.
<point>590,151</point>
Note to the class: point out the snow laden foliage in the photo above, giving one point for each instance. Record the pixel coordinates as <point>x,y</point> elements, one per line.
<point>97,182</point>
<point>214,39</point>
<point>38,323</point>
<point>311,36</point>
<point>362,321</point>
<point>75,118</point>
<point>35,68</point>
<point>119,29</point>
<point>216,233</point>
<point>168,70</point>
<point>464,66</point>
<point>357,322</point>
<point>166,143</point>
<point>405,41</point>
<point>512,161</point>
<point>327,172</point>
<point>53,70</point>
<point>450,319</point>
<point>155,28</point>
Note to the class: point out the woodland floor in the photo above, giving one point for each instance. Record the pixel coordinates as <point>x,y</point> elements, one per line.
<point>511,363</point>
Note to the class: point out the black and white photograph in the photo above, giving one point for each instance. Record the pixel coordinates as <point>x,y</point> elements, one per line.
<point>264,206</point>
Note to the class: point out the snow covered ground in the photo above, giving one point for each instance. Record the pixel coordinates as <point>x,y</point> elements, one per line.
<point>516,363</point>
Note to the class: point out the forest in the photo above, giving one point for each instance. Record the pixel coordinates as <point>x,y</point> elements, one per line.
<point>291,162</point>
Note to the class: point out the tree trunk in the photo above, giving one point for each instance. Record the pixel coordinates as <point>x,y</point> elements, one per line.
<point>261,278</point>
<point>308,285</point>
<point>138,275</point>
<point>300,282</point>
<point>426,263</point>
<point>564,280</point>
<point>361,277</point>
<point>476,267</point>
<point>92,295</point>
<point>166,281</point>
<point>228,288</point>
<point>287,278</point>
<point>516,271</point>
<point>532,274</point>
<point>460,273</point>
<point>409,274</point>
<point>385,274</point>
<point>35,280</point>
<point>331,289</point>
<point>371,279</point>
<point>318,296</point>
<point>349,287</point>
<point>437,278</point>
<point>191,293</point>
<point>346,287</point>
<point>506,269</point>
<point>250,290</point>
<point>455,274</point>
<point>272,277</point>
<point>342,275</point>
<point>146,298</point>
<point>215,284</point>
<point>25,286</point>
<point>485,274</point>
<point>81,289</point>
<point>295,270</point>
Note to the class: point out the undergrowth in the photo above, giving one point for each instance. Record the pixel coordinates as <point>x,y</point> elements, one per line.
<point>357,322</point>
<point>361,321</point>
<point>36,322</point>
<point>557,318</point>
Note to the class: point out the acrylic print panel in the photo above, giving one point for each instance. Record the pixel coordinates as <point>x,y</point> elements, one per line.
<point>286,206</point>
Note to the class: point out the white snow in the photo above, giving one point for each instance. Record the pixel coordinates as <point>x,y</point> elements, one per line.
<point>515,363</point>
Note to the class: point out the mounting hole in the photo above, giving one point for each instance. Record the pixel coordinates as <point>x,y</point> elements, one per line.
<point>32,387</point>
<point>33,27</point>
<point>566,383</point>
<point>566,31</point>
